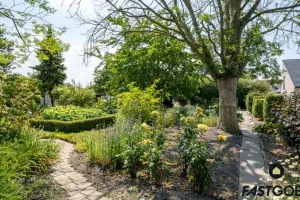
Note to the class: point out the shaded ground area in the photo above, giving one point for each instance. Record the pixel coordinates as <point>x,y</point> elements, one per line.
<point>116,185</point>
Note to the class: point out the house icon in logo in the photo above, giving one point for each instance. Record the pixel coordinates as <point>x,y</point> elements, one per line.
<point>276,170</point>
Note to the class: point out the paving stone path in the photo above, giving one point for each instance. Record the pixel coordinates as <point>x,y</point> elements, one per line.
<point>252,163</point>
<point>77,187</point>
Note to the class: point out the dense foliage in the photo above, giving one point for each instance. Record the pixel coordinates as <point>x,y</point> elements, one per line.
<point>249,99</point>
<point>21,158</point>
<point>130,146</point>
<point>108,106</point>
<point>144,58</point>
<point>288,118</point>
<point>74,95</point>
<point>257,106</point>
<point>51,70</point>
<point>70,113</point>
<point>19,98</point>
<point>272,100</point>
<point>137,104</point>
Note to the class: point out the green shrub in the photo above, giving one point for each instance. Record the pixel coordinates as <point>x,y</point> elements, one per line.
<point>19,97</point>
<point>20,159</point>
<point>70,113</point>
<point>137,104</point>
<point>249,99</point>
<point>200,167</point>
<point>257,108</point>
<point>267,127</point>
<point>73,126</point>
<point>288,118</point>
<point>273,100</point>
<point>74,95</point>
<point>108,106</point>
<point>245,86</point>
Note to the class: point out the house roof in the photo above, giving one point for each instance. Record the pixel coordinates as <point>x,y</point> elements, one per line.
<point>293,68</point>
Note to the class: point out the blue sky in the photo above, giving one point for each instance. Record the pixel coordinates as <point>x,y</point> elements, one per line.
<point>75,37</point>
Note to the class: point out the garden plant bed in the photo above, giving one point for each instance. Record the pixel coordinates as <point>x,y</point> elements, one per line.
<point>274,150</point>
<point>43,187</point>
<point>118,185</point>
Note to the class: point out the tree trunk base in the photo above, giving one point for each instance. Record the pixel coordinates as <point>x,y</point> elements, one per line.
<point>227,87</point>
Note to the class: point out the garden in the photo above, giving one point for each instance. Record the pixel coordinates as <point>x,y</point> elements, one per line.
<point>150,149</point>
<point>276,120</point>
<point>178,106</point>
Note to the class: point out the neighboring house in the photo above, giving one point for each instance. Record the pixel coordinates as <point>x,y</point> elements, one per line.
<point>276,88</point>
<point>291,76</point>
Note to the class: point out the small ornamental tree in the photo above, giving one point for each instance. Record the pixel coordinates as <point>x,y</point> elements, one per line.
<point>51,70</point>
<point>19,98</point>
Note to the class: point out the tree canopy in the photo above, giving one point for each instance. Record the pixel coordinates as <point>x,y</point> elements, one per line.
<point>146,58</point>
<point>226,36</point>
<point>7,57</point>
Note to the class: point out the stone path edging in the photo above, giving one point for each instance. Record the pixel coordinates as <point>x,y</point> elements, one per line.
<point>77,187</point>
<point>252,161</point>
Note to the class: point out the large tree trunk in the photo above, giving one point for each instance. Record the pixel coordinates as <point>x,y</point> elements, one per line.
<point>227,87</point>
<point>51,98</point>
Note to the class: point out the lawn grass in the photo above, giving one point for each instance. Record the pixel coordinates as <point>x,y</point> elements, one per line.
<point>78,139</point>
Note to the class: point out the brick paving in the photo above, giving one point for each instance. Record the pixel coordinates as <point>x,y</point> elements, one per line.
<point>77,187</point>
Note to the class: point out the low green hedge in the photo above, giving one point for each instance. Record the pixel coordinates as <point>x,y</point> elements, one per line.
<point>249,99</point>
<point>257,107</point>
<point>73,126</point>
<point>272,100</point>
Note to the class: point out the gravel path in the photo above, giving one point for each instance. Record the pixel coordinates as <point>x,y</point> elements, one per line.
<point>76,185</point>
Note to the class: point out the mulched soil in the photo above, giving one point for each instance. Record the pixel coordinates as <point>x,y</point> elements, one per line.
<point>117,185</point>
<point>274,149</point>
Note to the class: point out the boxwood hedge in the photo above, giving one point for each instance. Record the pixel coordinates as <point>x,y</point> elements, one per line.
<point>73,126</point>
<point>249,99</point>
<point>272,100</point>
<point>257,107</point>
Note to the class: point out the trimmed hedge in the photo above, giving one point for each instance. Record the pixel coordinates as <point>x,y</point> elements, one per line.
<point>257,107</point>
<point>73,126</point>
<point>272,99</point>
<point>249,99</point>
<point>208,91</point>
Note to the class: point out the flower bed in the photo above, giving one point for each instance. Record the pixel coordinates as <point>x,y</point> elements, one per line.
<point>70,113</point>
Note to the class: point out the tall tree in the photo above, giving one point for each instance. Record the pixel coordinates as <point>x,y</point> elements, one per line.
<point>51,70</point>
<point>145,58</point>
<point>7,56</point>
<point>226,35</point>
